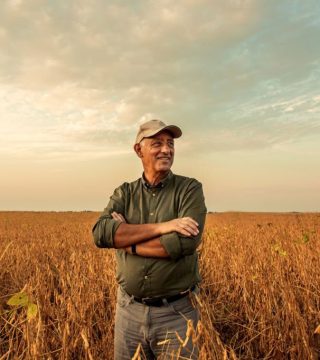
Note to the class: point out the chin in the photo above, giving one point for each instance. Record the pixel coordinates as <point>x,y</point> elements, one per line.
<point>164,168</point>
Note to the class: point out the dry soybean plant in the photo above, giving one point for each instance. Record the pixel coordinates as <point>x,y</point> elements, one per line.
<point>259,299</point>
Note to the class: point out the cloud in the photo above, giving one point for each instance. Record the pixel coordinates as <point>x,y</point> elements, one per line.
<point>79,77</point>
<point>113,45</point>
<point>60,122</point>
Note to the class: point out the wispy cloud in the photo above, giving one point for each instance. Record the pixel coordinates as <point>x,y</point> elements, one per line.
<point>81,76</point>
<point>77,78</point>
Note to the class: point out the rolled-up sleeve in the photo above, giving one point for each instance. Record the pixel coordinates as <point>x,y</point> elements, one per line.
<point>105,228</point>
<point>192,205</point>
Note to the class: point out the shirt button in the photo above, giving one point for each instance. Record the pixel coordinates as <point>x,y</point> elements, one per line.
<point>146,277</point>
<point>153,194</point>
<point>151,213</point>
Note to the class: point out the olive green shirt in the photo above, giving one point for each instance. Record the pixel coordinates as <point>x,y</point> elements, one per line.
<point>140,203</point>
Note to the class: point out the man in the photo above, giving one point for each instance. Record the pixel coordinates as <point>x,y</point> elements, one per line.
<point>155,223</point>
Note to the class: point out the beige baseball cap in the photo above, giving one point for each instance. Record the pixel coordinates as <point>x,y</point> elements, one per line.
<point>153,127</point>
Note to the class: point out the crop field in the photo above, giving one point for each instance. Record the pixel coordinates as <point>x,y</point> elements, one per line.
<point>259,299</point>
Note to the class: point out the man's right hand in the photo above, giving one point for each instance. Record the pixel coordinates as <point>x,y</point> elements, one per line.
<point>185,226</point>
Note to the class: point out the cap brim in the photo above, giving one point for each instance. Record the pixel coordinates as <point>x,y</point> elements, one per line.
<point>173,129</point>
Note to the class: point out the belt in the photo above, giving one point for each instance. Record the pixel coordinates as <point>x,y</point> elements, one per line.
<point>160,301</point>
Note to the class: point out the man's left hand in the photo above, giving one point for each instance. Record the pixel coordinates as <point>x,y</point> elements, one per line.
<point>118,217</point>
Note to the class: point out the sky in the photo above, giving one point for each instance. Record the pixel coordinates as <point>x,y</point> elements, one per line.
<point>240,77</point>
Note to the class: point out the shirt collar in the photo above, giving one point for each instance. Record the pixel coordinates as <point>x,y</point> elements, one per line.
<point>160,185</point>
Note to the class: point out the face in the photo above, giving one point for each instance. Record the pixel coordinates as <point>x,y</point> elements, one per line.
<point>157,152</point>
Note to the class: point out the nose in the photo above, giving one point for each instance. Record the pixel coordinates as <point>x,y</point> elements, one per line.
<point>165,148</point>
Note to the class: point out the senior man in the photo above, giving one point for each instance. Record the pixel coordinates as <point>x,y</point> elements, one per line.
<point>155,223</point>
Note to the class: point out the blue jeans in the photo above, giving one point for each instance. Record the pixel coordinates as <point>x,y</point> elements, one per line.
<point>154,328</point>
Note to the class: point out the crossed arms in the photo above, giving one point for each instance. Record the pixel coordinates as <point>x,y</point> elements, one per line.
<point>169,239</point>
<point>129,234</point>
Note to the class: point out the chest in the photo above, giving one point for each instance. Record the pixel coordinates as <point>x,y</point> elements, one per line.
<point>152,207</point>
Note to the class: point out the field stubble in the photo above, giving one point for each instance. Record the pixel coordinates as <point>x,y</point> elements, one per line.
<point>260,293</point>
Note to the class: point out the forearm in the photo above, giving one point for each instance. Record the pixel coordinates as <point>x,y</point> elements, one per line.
<point>150,248</point>
<point>129,234</point>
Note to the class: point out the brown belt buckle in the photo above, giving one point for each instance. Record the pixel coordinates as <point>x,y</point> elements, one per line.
<point>145,300</point>
<point>152,301</point>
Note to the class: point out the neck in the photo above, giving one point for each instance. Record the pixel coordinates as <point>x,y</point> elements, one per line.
<point>154,178</point>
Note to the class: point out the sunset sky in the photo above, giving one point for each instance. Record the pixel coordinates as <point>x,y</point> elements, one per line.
<point>241,78</point>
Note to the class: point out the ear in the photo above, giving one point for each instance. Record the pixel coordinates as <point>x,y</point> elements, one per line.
<point>137,149</point>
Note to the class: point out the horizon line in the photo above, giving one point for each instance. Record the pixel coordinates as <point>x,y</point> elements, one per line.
<point>208,212</point>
